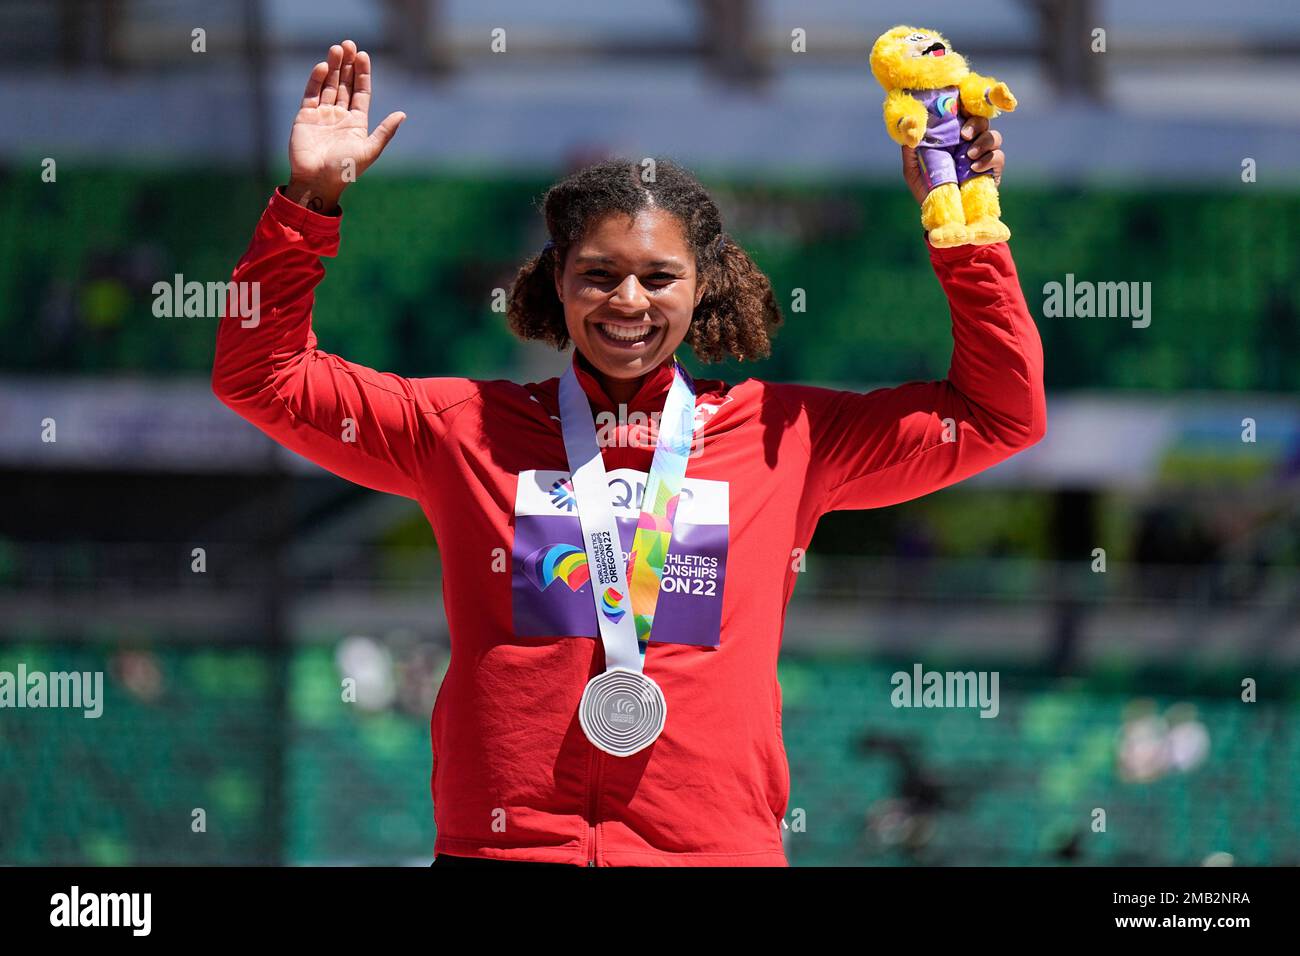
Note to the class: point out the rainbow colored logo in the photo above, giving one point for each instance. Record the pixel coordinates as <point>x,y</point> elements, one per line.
<point>564,562</point>
<point>946,103</point>
<point>609,602</point>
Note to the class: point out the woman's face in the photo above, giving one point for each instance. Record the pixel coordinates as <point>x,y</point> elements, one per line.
<point>629,290</point>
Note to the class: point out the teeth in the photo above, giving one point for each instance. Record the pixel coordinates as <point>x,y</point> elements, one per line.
<point>626,334</point>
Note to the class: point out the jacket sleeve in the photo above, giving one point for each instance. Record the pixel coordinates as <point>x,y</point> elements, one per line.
<point>868,450</point>
<point>369,427</point>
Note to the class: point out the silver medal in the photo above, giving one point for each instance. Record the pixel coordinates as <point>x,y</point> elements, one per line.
<point>622,711</point>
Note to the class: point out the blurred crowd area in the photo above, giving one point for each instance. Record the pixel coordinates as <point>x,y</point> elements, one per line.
<point>1185,774</point>
<point>1124,577</point>
<point>1120,690</point>
<point>412,288</point>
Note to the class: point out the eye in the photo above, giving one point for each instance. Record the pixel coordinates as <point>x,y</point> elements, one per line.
<point>916,37</point>
<point>656,280</point>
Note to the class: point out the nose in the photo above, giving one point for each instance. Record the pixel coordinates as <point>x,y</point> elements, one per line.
<point>630,297</point>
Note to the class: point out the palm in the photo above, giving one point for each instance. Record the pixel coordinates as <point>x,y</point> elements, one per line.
<point>330,144</point>
<point>325,137</point>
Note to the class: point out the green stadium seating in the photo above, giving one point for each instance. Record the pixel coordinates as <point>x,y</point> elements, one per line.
<point>1015,790</point>
<point>412,288</point>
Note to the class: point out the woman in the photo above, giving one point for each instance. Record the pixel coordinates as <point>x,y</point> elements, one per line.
<point>612,695</point>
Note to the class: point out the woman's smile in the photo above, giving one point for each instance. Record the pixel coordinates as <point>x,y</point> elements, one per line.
<point>628,336</point>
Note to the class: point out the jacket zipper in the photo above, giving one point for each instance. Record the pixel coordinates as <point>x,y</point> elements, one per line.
<point>593,796</point>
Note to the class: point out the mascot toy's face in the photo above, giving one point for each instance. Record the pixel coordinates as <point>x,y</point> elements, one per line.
<point>907,58</point>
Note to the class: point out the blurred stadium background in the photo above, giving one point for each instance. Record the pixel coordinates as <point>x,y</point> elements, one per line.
<point>1119,690</point>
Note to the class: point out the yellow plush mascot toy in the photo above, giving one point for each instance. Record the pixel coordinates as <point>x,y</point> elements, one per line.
<point>924,83</point>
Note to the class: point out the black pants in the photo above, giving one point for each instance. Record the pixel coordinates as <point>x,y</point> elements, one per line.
<point>444,859</point>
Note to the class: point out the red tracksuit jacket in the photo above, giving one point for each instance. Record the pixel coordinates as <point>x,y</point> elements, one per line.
<point>513,775</point>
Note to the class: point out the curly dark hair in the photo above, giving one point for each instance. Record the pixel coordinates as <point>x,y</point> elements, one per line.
<point>737,315</point>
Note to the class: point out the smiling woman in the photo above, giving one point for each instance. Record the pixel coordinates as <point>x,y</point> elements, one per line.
<point>611,697</point>
<point>638,263</point>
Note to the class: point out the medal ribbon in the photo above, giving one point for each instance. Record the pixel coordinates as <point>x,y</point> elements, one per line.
<point>625,614</point>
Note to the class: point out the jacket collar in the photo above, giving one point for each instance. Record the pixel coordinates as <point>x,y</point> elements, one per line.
<point>648,398</point>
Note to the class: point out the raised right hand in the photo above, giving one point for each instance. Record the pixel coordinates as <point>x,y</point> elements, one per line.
<point>986,144</point>
<point>330,144</point>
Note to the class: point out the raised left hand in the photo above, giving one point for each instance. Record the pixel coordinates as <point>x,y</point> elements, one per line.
<point>987,154</point>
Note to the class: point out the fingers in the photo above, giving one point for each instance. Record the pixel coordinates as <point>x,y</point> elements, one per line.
<point>361,83</point>
<point>985,152</point>
<point>385,130</point>
<point>991,162</point>
<point>330,90</point>
<point>345,74</point>
<point>974,126</point>
<point>311,95</point>
<point>986,142</point>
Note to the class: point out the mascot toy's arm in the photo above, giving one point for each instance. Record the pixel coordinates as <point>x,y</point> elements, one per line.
<point>905,118</point>
<point>985,96</point>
